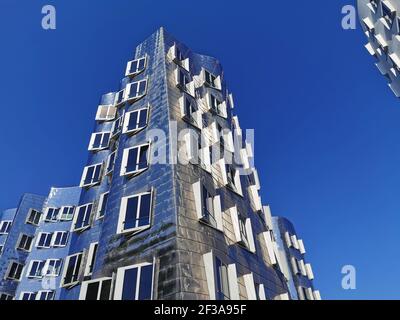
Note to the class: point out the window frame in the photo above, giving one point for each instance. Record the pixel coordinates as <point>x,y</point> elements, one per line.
<point>91,259</point>
<point>76,269</point>
<point>76,216</point>
<point>108,170</point>
<point>7,229</point>
<point>105,137</point>
<point>125,160</point>
<point>128,71</point>
<point>21,271</point>
<point>127,116</point>
<point>93,182</point>
<point>46,292</point>
<point>110,114</point>
<point>100,205</point>
<point>68,216</point>
<point>64,236</point>
<point>39,236</point>
<point>122,213</point>
<point>37,212</point>
<point>29,293</point>
<point>40,264</point>
<point>85,284</point>
<point>119,281</point>
<point>46,267</point>
<point>20,237</point>
<point>137,97</point>
<point>53,218</point>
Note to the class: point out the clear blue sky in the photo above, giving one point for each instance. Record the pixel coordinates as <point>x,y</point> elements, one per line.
<point>327,126</point>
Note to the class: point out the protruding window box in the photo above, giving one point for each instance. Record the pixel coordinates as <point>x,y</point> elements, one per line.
<point>388,14</point>
<point>117,127</point>
<point>110,163</point>
<point>99,289</point>
<point>106,113</point>
<point>190,112</point>
<point>242,229</point>
<point>14,271</point>
<point>255,198</point>
<point>216,106</point>
<point>135,90</point>
<point>136,120</point>
<point>99,141</point>
<point>59,239</point>
<point>369,25</point>
<point>44,240</point>
<point>67,213</point>
<point>33,217</point>
<point>309,271</point>
<point>269,243</point>
<point>222,278</point>
<point>208,206</point>
<point>381,42</point>
<point>91,175</point>
<point>176,56</point>
<point>183,82</point>
<point>210,80</point>
<point>82,218</point>
<point>52,268</point>
<point>24,242</point>
<point>135,160</point>
<point>135,282</point>
<point>35,269</point>
<point>136,67</point>
<point>119,98</point>
<point>72,270</point>
<point>135,213</point>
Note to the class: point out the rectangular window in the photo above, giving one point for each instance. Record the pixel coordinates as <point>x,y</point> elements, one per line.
<point>135,67</point>
<point>136,120</point>
<point>116,127</point>
<point>14,271</point>
<point>190,112</point>
<point>5,297</point>
<point>134,282</point>
<point>233,178</point>
<point>135,213</point>
<point>71,270</point>
<point>59,239</point>
<point>33,217</point>
<point>222,280</point>
<point>119,98</point>
<point>25,242</point>
<point>101,208</point>
<point>243,232</point>
<point>35,269</point>
<point>135,160</point>
<point>388,13</point>
<point>5,227</point>
<point>91,259</point>
<point>99,289</point>
<point>208,208</point>
<point>67,213</point>
<point>28,296</point>
<point>91,175</point>
<point>212,80</point>
<point>82,217</point>
<point>99,141</point>
<point>111,162</point>
<point>136,90</point>
<point>51,214</point>
<point>45,295</point>
<point>52,267</point>
<point>44,240</point>
<point>106,113</point>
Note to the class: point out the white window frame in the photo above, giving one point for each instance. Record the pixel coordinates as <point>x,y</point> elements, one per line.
<point>250,286</point>
<point>119,282</point>
<point>199,203</point>
<point>40,263</point>
<point>52,218</point>
<point>29,293</point>
<point>92,183</point>
<point>117,126</point>
<point>37,212</point>
<point>103,135</point>
<point>269,243</point>
<point>137,96</point>
<point>209,260</point>
<point>65,217</point>
<point>46,293</point>
<point>9,270</point>
<point>74,228</point>
<point>109,158</point>
<point>54,237</point>
<point>85,284</point>
<point>46,268</point>
<point>122,213</point>
<point>39,236</point>
<point>189,86</point>
<point>119,94</point>
<point>128,72</point>
<point>100,205</point>
<point>125,159</point>
<point>109,114</point>
<point>91,259</point>
<point>247,243</point>
<point>9,225</point>
<point>77,269</point>
<point>18,246</point>
<point>217,80</point>
<point>177,56</point>
<point>6,297</point>
<point>125,127</point>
